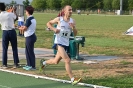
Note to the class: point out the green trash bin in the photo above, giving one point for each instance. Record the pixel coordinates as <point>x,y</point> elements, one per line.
<point>54,50</point>
<point>72,48</point>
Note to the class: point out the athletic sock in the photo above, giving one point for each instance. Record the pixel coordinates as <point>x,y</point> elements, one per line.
<point>72,79</point>
<point>44,63</point>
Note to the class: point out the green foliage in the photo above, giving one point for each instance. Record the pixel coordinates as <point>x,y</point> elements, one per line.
<point>107,4</point>
<point>39,4</point>
<point>99,4</point>
<point>66,2</point>
<point>130,4</point>
<point>26,3</point>
<point>82,4</point>
<point>13,2</point>
<point>76,4</point>
<point>115,4</point>
<point>53,4</point>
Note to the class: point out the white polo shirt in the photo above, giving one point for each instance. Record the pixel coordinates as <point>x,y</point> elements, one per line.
<point>7,20</point>
<point>31,26</point>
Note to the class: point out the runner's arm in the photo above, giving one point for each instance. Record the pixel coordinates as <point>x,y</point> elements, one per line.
<point>51,22</point>
<point>74,28</point>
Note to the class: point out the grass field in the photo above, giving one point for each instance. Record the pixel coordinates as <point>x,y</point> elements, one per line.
<point>103,35</point>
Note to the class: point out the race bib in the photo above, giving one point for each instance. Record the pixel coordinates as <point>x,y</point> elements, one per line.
<point>64,33</point>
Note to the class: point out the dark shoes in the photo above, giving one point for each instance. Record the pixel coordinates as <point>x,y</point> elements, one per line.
<point>4,67</point>
<point>16,66</point>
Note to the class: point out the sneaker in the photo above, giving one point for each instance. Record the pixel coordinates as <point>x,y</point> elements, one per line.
<point>30,68</point>
<point>41,65</point>
<point>4,67</point>
<point>25,67</point>
<point>76,81</point>
<point>15,66</point>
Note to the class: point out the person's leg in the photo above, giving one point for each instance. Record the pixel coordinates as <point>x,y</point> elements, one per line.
<point>55,60</point>
<point>13,40</point>
<point>5,43</point>
<point>30,50</point>
<point>62,54</point>
<point>67,60</point>
<point>19,25</point>
<point>22,22</point>
<point>27,52</point>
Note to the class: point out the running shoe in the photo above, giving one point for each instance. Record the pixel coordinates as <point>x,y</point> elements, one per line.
<point>30,68</point>
<point>25,67</point>
<point>41,65</point>
<point>76,81</point>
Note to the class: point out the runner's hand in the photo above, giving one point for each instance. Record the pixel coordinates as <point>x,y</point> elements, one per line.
<point>57,31</point>
<point>72,25</point>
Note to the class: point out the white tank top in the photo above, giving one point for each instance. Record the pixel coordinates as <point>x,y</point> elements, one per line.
<point>65,32</point>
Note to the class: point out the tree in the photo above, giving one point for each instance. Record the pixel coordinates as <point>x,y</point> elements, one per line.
<point>99,4</point>
<point>66,2</point>
<point>13,2</point>
<point>76,4</point>
<point>107,4</point>
<point>26,3</point>
<point>86,4</point>
<point>125,4</point>
<point>116,4</point>
<point>53,4</point>
<point>39,4</point>
<point>130,4</point>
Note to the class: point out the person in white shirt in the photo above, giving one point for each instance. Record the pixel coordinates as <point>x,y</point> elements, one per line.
<point>9,34</point>
<point>78,11</point>
<point>65,25</point>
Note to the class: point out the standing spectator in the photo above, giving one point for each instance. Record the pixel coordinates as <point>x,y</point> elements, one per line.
<point>9,34</point>
<point>65,25</point>
<point>98,11</point>
<point>30,38</point>
<point>21,23</point>
<point>11,11</point>
<point>78,11</point>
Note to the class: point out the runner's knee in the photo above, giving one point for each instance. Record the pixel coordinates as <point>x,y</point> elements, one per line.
<point>67,60</point>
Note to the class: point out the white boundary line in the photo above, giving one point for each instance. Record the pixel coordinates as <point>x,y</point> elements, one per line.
<point>54,79</point>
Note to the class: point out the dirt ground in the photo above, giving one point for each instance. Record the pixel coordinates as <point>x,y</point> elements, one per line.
<point>110,68</point>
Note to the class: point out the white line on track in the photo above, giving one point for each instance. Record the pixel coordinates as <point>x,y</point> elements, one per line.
<point>54,79</point>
